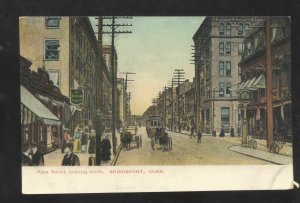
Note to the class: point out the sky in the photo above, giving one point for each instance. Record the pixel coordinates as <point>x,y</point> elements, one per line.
<point>156,47</point>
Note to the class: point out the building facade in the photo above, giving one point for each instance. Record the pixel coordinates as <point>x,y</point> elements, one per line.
<point>66,47</point>
<point>218,50</point>
<point>253,77</point>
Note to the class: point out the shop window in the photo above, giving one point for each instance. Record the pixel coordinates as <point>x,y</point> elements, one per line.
<point>221,29</point>
<point>52,49</point>
<point>228,29</point>
<point>221,47</point>
<point>52,21</point>
<point>224,115</point>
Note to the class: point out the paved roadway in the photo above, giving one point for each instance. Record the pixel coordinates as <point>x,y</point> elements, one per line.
<point>186,151</point>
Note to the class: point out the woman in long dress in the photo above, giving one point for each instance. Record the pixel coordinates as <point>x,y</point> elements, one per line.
<point>77,141</point>
<point>92,143</point>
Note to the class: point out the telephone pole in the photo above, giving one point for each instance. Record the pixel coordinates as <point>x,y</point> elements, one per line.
<point>269,94</point>
<point>113,32</point>
<point>178,77</point>
<point>172,96</point>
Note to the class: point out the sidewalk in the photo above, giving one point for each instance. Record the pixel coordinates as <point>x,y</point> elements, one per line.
<point>262,152</point>
<point>263,155</point>
<point>55,158</point>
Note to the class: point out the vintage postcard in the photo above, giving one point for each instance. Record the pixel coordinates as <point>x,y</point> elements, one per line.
<point>146,104</point>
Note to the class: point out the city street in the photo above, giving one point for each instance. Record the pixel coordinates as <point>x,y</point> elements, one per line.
<point>186,151</point>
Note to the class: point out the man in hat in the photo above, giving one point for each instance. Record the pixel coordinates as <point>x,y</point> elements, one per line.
<point>70,159</point>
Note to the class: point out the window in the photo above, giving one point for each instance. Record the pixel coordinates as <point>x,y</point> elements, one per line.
<point>221,89</point>
<point>221,47</point>
<point>228,47</point>
<point>228,89</point>
<point>52,21</point>
<point>221,29</point>
<point>52,49</point>
<point>228,29</point>
<point>224,115</point>
<point>240,29</point>
<point>221,68</point>
<point>54,77</point>
<point>228,68</point>
<point>241,48</point>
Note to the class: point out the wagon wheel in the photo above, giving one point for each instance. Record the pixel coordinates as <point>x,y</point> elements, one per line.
<point>140,140</point>
<point>153,143</point>
<point>170,143</point>
<point>137,140</point>
<point>254,144</point>
<point>276,148</point>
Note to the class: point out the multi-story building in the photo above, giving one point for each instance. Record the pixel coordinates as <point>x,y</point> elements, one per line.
<point>107,80</point>
<point>66,47</point>
<point>218,49</point>
<point>121,102</point>
<point>253,76</point>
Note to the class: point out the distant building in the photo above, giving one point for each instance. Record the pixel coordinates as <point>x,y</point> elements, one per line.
<point>253,75</point>
<point>218,49</point>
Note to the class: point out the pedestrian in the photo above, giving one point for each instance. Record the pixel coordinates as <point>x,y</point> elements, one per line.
<point>105,147</point>
<point>77,141</point>
<point>165,141</point>
<point>92,142</point>
<point>37,157</point>
<point>26,158</point>
<point>70,159</point>
<point>214,133</point>
<point>232,132</point>
<point>222,133</point>
<point>199,136</point>
<point>67,139</point>
<point>84,139</point>
<point>192,132</point>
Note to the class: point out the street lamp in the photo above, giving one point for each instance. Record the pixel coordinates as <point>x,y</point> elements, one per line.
<point>213,108</point>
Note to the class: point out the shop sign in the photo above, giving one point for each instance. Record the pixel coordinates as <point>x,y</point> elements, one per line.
<point>76,96</point>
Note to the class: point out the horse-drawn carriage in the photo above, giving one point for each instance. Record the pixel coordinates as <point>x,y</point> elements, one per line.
<point>155,131</point>
<point>129,136</point>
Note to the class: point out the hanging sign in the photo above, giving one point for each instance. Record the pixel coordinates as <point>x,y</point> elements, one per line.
<point>76,96</point>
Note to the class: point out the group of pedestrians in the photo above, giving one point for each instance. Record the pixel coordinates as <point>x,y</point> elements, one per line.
<point>82,141</point>
<point>199,134</point>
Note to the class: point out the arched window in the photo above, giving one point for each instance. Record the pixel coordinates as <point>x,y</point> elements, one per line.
<point>240,29</point>
<point>228,29</point>
<point>221,29</point>
<point>246,28</point>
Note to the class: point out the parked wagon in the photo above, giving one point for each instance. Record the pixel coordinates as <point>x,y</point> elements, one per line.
<point>155,131</point>
<point>129,136</point>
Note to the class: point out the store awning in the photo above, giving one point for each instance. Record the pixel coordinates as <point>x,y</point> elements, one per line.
<point>34,105</point>
<point>260,82</point>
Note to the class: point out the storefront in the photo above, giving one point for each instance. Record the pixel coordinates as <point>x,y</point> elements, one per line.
<point>39,126</point>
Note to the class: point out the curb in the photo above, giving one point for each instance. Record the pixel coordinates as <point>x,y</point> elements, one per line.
<point>253,156</point>
<point>114,161</point>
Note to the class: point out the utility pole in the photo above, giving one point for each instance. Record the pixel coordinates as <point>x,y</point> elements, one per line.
<point>198,59</point>
<point>178,77</point>
<point>269,95</point>
<point>173,105</point>
<point>99,90</point>
<point>114,26</point>
<point>165,112</point>
<point>125,89</point>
